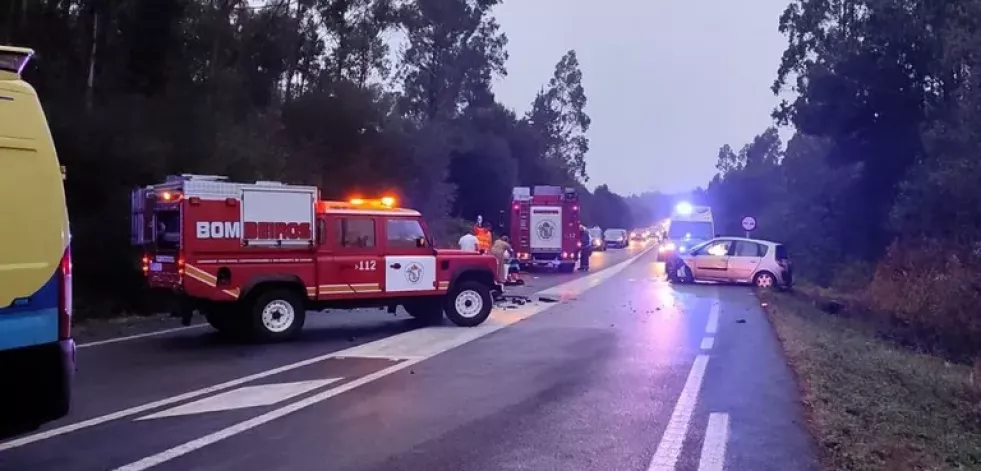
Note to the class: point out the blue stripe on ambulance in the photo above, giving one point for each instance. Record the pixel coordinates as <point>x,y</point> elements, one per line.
<point>32,320</point>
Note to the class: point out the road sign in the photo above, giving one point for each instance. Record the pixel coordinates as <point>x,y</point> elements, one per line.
<point>749,223</point>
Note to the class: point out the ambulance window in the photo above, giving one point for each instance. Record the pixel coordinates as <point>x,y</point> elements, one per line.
<point>356,232</point>
<point>404,233</point>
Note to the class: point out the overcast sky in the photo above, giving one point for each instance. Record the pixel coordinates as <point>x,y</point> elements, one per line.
<point>668,81</point>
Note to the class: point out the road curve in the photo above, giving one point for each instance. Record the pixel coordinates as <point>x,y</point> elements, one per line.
<point>622,372</point>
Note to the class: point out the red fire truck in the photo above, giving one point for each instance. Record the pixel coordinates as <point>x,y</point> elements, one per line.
<point>545,226</point>
<point>254,257</point>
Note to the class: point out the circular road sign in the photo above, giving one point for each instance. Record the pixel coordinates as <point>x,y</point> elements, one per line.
<point>749,223</point>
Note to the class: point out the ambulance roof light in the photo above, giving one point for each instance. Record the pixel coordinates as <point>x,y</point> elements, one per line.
<point>14,59</point>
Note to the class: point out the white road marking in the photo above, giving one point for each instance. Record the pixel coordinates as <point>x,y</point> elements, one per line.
<point>708,343</point>
<point>669,448</point>
<point>714,446</point>
<point>244,426</point>
<point>364,350</point>
<point>713,322</point>
<point>249,396</point>
<point>139,336</point>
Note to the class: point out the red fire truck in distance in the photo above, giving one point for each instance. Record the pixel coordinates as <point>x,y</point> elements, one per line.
<point>254,257</point>
<point>545,226</point>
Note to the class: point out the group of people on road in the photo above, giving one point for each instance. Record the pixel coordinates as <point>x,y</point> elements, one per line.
<point>478,240</point>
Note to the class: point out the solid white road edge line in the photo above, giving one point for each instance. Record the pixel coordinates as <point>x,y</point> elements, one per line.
<point>138,336</point>
<point>713,456</point>
<point>708,343</point>
<point>713,321</point>
<point>669,448</point>
<point>26,440</point>
<point>244,426</point>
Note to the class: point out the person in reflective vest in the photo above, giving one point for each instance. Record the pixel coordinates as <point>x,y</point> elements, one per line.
<point>484,239</point>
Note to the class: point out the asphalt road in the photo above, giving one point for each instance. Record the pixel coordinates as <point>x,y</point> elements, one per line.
<point>608,370</point>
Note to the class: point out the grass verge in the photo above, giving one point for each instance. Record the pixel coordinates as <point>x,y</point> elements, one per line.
<point>873,405</point>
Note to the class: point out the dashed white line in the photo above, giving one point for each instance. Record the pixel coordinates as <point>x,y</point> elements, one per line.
<point>713,321</point>
<point>713,456</point>
<point>708,343</point>
<point>669,448</point>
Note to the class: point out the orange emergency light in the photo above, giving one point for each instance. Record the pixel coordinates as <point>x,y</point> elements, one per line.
<point>386,201</point>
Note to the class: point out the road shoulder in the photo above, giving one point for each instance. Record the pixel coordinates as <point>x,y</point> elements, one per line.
<point>872,404</point>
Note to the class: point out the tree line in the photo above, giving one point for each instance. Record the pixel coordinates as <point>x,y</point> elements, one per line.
<point>878,193</point>
<point>304,91</point>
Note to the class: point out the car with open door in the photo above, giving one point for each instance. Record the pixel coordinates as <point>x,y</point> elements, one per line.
<point>762,263</point>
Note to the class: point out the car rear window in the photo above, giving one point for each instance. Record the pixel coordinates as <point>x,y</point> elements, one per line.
<point>782,253</point>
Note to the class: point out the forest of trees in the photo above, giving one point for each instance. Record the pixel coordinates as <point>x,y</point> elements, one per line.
<point>879,192</point>
<point>355,96</point>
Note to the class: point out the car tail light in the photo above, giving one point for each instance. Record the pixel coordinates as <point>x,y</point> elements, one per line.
<point>65,296</point>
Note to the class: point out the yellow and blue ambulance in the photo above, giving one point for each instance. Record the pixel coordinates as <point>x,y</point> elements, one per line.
<point>37,352</point>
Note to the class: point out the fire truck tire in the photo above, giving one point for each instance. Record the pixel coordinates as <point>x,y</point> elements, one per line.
<point>277,314</point>
<point>224,319</point>
<point>429,311</point>
<point>469,304</point>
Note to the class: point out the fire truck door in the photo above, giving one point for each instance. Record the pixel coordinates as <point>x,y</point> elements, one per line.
<point>357,261</point>
<point>410,263</point>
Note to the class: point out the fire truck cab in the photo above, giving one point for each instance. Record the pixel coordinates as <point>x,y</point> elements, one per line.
<point>254,257</point>
<point>545,226</point>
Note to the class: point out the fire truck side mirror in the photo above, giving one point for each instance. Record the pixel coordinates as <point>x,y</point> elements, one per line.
<point>422,242</point>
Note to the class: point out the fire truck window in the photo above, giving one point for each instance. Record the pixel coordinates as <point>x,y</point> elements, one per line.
<point>357,232</point>
<point>404,233</point>
<point>168,229</point>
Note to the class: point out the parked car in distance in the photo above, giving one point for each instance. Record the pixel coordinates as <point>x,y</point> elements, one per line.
<point>616,238</point>
<point>762,263</point>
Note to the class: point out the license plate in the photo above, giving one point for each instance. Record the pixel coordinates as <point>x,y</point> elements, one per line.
<point>156,267</point>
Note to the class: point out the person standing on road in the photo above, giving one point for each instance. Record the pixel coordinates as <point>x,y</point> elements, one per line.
<point>585,249</point>
<point>468,242</point>
<point>502,251</point>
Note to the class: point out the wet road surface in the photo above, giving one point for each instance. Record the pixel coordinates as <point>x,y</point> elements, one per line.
<point>622,372</point>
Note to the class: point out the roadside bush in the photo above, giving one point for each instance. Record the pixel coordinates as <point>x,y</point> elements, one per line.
<point>928,293</point>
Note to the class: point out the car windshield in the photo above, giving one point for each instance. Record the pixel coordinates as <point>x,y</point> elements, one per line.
<point>699,230</point>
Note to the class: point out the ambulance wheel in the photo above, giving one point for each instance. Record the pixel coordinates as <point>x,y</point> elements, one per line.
<point>469,304</point>
<point>277,314</point>
<point>429,311</point>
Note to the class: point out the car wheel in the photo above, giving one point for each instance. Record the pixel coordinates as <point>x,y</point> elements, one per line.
<point>469,304</point>
<point>277,315</point>
<point>686,275</point>
<point>764,280</point>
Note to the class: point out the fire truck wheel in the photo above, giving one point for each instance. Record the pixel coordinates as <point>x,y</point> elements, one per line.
<point>223,318</point>
<point>277,314</point>
<point>469,304</point>
<point>429,311</point>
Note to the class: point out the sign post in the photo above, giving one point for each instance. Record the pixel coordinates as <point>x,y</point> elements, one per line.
<point>749,223</point>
